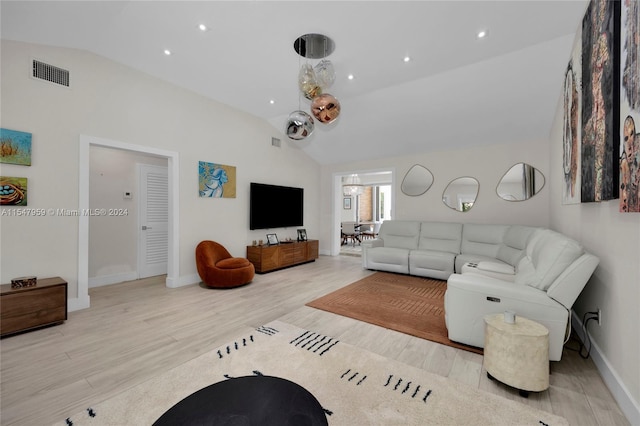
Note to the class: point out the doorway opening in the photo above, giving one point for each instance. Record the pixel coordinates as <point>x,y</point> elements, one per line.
<point>375,204</point>
<point>82,301</point>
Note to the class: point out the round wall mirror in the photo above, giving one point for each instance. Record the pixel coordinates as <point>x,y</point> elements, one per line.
<point>520,182</point>
<point>461,193</point>
<point>417,181</point>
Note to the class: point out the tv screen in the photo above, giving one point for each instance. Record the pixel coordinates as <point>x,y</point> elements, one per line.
<point>272,206</point>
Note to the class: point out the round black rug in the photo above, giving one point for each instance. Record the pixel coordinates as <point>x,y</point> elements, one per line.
<point>244,401</point>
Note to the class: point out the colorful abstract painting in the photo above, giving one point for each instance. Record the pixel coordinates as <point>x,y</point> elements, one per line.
<point>630,107</point>
<point>15,147</point>
<point>216,180</point>
<point>571,137</point>
<point>600,101</point>
<point>13,191</point>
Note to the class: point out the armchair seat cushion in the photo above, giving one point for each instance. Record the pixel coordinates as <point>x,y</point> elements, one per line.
<point>233,263</point>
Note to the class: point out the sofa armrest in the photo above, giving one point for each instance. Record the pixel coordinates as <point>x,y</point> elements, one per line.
<point>366,245</point>
<point>568,286</point>
<point>494,287</point>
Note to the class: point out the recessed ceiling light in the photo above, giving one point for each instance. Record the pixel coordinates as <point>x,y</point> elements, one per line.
<point>167,52</point>
<point>202,27</point>
<point>482,34</point>
<point>272,102</point>
<point>351,77</point>
<point>407,58</point>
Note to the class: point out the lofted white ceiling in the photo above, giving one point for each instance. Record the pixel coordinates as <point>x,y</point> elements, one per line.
<point>456,91</point>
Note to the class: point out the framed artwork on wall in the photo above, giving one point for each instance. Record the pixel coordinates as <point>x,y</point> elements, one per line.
<point>216,180</point>
<point>13,191</point>
<point>571,135</point>
<point>600,101</point>
<point>629,153</point>
<point>346,203</point>
<point>15,147</point>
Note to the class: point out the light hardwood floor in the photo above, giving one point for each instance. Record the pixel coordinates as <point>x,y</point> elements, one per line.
<point>137,330</point>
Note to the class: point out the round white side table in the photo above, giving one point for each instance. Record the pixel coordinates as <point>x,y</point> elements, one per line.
<point>517,354</point>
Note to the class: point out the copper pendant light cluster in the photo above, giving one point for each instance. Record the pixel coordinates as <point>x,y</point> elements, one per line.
<point>313,83</point>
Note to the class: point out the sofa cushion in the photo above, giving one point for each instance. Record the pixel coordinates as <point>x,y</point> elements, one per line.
<point>481,239</point>
<point>440,236</point>
<point>514,244</point>
<point>388,259</point>
<point>400,234</point>
<point>431,263</point>
<point>548,254</point>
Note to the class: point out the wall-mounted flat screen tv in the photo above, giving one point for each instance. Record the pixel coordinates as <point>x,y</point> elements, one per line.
<point>273,206</point>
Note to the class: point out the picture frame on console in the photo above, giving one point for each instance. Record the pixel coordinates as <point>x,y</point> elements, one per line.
<point>272,239</point>
<point>302,235</point>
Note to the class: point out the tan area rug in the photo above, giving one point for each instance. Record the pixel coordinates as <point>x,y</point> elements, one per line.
<point>353,386</point>
<point>404,303</point>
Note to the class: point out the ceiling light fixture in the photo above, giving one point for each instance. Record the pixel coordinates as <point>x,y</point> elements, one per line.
<point>351,77</point>
<point>167,52</point>
<point>312,82</point>
<point>407,58</point>
<point>352,186</point>
<point>482,34</point>
<point>202,27</point>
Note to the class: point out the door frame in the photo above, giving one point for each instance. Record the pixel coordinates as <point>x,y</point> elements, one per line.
<point>173,274</point>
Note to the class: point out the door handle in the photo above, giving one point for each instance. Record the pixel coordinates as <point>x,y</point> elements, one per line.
<point>145,227</point>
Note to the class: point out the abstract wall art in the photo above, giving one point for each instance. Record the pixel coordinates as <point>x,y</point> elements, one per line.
<point>600,101</point>
<point>571,136</point>
<point>216,180</point>
<point>15,147</point>
<point>629,153</point>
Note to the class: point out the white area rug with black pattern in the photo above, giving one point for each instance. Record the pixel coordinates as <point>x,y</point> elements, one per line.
<point>354,386</point>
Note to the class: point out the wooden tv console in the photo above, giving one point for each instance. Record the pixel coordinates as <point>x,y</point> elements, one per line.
<point>27,308</point>
<point>270,258</point>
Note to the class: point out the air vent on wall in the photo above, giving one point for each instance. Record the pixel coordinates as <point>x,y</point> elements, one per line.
<point>50,73</point>
<point>275,142</point>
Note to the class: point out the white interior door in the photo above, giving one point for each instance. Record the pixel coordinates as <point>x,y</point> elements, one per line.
<point>153,208</point>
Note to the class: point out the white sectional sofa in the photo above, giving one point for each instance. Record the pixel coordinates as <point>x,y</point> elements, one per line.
<point>536,272</point>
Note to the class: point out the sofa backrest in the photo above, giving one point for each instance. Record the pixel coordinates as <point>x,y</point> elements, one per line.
<point>514,243</point>
<point>484,240</point>
<point>440,236</point>
<point>548,254</point>
<point>400,233</point>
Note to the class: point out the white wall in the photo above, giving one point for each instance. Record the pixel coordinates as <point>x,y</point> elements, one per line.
<point>487,164</point>
<point>114,102</point>
<point>615,286</point>
<point>113,240</point>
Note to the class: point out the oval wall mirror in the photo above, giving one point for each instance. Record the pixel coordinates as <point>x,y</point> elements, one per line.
<point>520,182</point>
<point>417,181</point>
<point>461,193</point>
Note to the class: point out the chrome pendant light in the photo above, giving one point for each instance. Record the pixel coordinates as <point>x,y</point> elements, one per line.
<point>313,83</point>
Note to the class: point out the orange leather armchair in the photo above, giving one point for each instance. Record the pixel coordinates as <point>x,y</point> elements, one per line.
<point>218,269</point>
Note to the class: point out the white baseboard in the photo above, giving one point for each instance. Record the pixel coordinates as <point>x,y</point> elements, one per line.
<point>112,279</point>
<point>183,281</point>
<point>630,407</point>
<point>77,303</point>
